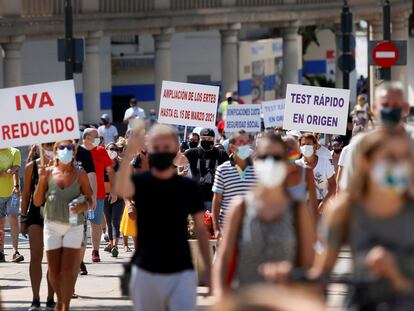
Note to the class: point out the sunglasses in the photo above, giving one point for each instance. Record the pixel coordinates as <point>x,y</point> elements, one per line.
<point>63,147</point>
<point>276,157</point>
<point>114,149</point>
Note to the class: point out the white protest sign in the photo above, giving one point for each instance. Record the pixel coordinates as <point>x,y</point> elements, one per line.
<point>243,117</point>
<point>188,104</point>
<point>316,109</point>
<point>38,113</point>
<point>273,111</point>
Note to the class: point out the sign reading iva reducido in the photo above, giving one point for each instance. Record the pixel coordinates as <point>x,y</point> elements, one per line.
<point>316,109</point>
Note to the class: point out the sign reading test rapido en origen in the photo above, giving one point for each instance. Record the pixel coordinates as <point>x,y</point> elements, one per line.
<point>188,104</point>
<point>316,109</point>
<point>38,113</point>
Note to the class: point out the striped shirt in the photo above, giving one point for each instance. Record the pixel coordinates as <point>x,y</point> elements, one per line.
<point>231,182</point>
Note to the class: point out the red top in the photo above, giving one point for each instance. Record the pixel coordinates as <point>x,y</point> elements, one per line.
<point>101,160</point>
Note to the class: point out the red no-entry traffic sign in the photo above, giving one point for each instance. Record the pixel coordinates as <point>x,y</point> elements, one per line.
<point>385,54</point>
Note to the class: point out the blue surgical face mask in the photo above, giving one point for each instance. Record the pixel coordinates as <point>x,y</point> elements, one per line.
<point>391,116</point>
<point>152,118</point>
<point>65,156</point>
<point>96,142</point>
<point>243,152</point>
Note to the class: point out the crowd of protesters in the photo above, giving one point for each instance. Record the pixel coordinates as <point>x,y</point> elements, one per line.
<point>278,205</point>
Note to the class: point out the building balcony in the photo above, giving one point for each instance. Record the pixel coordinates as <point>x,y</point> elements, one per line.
<point>44,18</point>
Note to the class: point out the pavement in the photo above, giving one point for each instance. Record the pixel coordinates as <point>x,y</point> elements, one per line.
<point>99,290</point>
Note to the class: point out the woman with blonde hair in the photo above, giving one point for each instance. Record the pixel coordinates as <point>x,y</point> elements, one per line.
<point>64,191</point>
<point>376,219</point>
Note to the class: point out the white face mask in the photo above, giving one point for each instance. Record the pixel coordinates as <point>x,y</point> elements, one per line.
<point>307,150</point>
<point>270,173</point>
<point>50,154</point>
<point>96,142</point>
<point>112,154</point>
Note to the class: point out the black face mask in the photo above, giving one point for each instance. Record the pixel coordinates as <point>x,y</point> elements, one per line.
<point>193,144</point>
<point>391,116</point>
<point>207,145</point>
<point>161,160</point>
<point>337,150</point>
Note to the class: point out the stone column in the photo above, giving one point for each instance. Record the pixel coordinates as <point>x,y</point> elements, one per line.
<point>229,58</point>
<point>12,70</point>
<point>375,33</point>
<point>292,55</point>
<point>400,32</point>
<point>91,79</point>
<point>162,66</point>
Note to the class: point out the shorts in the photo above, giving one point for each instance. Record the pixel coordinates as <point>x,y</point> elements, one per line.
<point>158,292</point>
<point>97,220</point>
<point>60,235</point>
<point>34,216</point>
<point>6,208</point>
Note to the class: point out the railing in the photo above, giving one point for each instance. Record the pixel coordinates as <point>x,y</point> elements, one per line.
<point>36,8</point>
<point>315,1</point>
<point>258,2</point>
<point>31,8</point>
<point>125,6</point>
<point>194,4</point>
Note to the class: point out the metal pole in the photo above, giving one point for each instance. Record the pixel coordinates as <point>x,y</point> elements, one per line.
<point>346,30</point>
<point>68,40</point>
<point>386,72</point>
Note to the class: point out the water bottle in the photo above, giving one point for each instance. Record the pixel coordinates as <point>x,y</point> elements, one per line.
<point>14,202</point>
<point>90,214</point>
<point>73,217</point>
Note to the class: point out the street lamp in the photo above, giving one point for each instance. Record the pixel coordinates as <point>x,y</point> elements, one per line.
<point>386,15</point>
<point>346,29</point>
<point>68,40</point>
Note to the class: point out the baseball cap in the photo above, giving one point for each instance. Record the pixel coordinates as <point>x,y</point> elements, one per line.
<point>293,133</point>
<point>207,132</point>
<point>106,117</point>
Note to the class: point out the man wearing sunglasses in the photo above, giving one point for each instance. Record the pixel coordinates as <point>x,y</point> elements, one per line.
<point>101,162</point>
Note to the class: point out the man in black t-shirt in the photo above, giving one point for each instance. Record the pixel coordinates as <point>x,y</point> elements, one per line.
<point>204,161</point>
<point>162,276</point>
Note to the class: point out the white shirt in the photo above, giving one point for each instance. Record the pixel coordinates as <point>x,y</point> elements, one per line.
<point>343,158</point>
<point>137,112</point>
<point>108,133</point>
<point>323,170</point>
<point>324,152</point>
